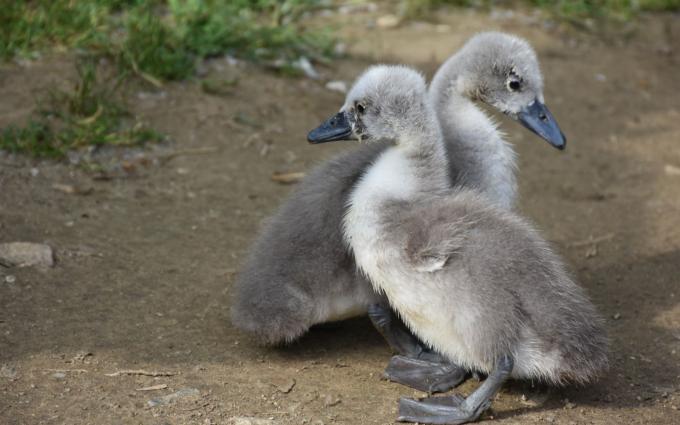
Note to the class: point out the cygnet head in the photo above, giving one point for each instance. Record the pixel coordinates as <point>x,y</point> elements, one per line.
<point>386,102</point>
<point>502,71</point>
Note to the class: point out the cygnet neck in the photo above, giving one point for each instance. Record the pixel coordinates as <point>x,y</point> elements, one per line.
<point>483,158</point>
<point>421,147</point>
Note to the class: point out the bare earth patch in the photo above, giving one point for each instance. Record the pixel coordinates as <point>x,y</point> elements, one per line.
<point>131,325</point>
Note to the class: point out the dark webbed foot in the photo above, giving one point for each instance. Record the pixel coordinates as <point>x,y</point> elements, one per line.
<point>417,366</point>
<point>424,375</point>
<point>447,410</point>
<point>453,410</point>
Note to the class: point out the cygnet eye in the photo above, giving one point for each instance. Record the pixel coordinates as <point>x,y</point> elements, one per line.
<point>360,108</point>
<point>514,85</point>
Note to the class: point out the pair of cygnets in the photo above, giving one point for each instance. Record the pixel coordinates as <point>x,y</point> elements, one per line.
<point>419,219</point>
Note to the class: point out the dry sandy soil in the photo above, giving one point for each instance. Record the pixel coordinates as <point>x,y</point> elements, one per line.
<point>146,256</point>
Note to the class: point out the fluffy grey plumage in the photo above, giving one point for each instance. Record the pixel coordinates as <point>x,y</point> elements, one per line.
<point>471,279</point>
<point>299,268</point>
<point>501,284</point>
<point>299,273</point>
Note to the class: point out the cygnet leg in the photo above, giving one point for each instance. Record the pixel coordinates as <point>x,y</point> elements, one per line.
<point>395,332</point>
<point>452,410</point>
<point>417,367</point>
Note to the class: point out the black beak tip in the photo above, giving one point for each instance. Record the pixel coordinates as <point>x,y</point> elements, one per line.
<point>310,138</point>
<point>538,119</point>
<point>562,144</point>
<point>316,135</point>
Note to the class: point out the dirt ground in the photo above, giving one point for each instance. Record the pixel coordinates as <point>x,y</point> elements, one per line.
<point>146,254</point>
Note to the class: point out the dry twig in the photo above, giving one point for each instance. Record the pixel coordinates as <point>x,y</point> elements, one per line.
<point>287,178</point>
<point>153,387</point>
<point>139,372</point>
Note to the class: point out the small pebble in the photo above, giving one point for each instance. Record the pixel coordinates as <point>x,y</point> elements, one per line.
<point>284,386</point>
<point>671,170</point>
<point>617,316</point>
<point>10,278</point>
<point>58,375</point>
<point>24,254</point>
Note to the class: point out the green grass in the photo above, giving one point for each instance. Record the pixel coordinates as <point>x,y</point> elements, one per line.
<point>87,115</point>
<point>257,30</point>
<point>622,10</point>
<point>26,27</point>
<point>162,39</point>
<point>570,10</point>
<point>157,40</point>
<point>152,49</point>
<point>420,8</point>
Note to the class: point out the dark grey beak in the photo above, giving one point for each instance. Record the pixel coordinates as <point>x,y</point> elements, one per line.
<point>335,128</point>
<point>537,118</point>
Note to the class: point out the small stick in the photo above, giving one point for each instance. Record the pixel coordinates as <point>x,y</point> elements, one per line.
<point>153,387</point>
<point>287,178</point>
<point>139,372</point>
<point>67,370</point>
